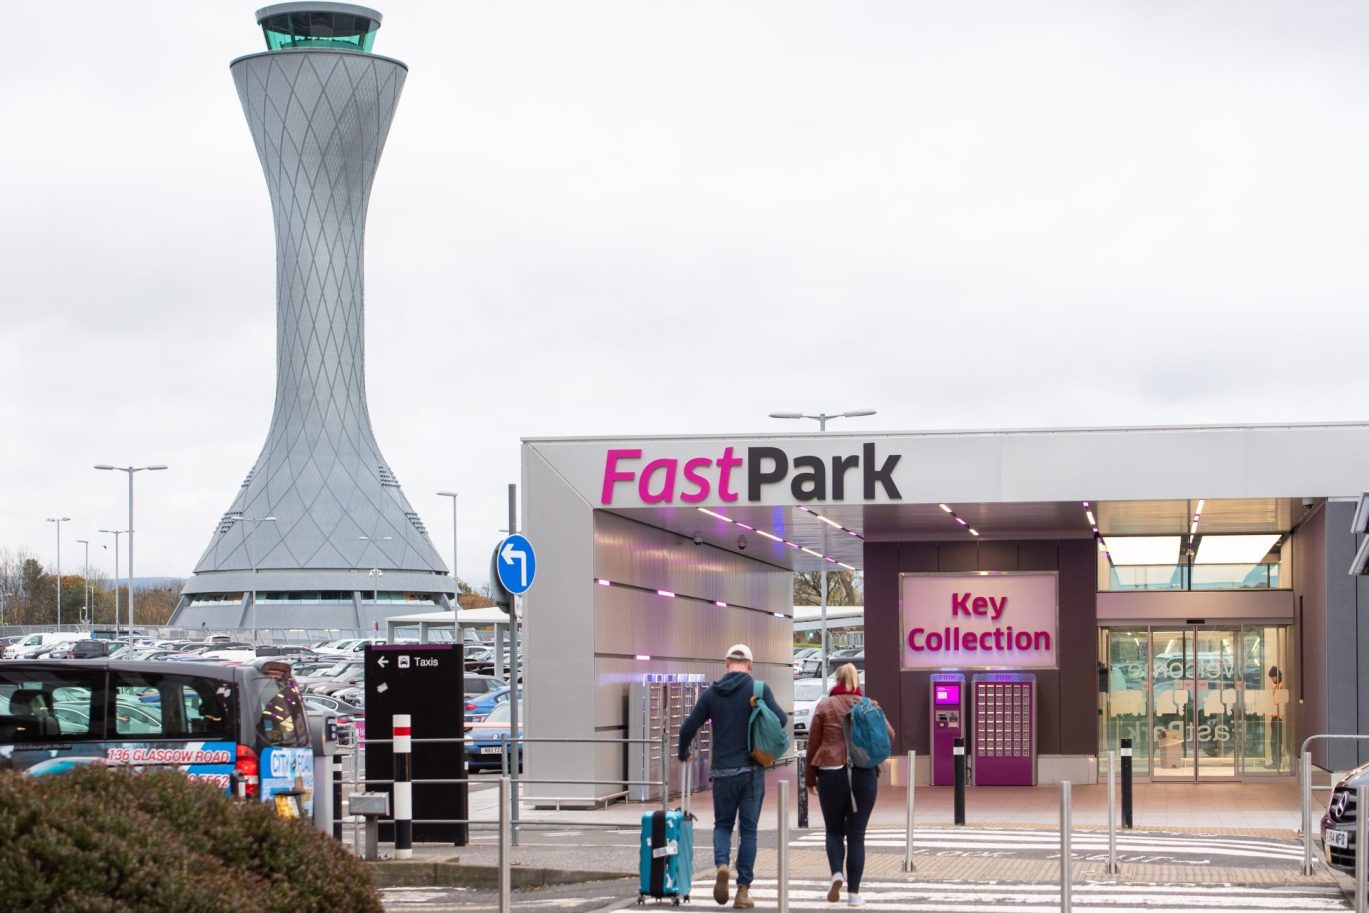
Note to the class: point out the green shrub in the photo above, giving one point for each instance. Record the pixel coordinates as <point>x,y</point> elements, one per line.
<point>96,840</point>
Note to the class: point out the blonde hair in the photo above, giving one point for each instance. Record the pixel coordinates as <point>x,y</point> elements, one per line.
<point>846,675</point>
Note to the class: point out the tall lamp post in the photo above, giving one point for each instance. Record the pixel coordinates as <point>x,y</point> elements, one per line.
<point>59,521</point>
<point>456,581</point>
<point>247,544</point>
<point>130,470</point>
<point>822,418</point>
<point>116,533</point>
<point>375,575</point>
<point>85,581</point>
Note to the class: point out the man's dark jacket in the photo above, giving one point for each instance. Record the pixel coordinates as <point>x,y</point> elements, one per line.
<point>727,702</point>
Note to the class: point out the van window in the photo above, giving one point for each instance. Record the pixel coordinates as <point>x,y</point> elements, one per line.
<point>280,713</point>
<point>49,705</point>
<point>159,705</point>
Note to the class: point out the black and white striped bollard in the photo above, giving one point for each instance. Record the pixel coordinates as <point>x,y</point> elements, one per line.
<point>404,797</point>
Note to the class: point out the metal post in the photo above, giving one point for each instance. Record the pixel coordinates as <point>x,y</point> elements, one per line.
<point>665,768</point>
<point>1112,813</point>
<point>824,624</point>
<point>505,849</point>
<point>1126,783</point>
<point>802,787</point>
<point>404,796</point>
<point>783,836</point>
<point>959,750</point>
<point>517,692</point>
<point>1305,781</point>
<point>1361,857</point>
<point>131,470</point>
<point>908,834</point>
<point>1065,825</point>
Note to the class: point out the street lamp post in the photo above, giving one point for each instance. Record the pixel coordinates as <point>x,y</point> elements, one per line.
<point>375,575</point>
<point>247,544</point>
<point>85,581</point>
<point>116,533</point>
<point>456,581</point>
<point>822,418</point>
<point>130,470</point>
<point>59,521</point>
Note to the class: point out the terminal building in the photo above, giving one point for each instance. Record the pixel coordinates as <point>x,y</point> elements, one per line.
<point>1187,588</point>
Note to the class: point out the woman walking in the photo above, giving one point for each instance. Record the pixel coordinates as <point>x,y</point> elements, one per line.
<point>846,794</point>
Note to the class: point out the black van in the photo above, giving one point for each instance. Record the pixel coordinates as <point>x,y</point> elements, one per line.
<point>242,728</point>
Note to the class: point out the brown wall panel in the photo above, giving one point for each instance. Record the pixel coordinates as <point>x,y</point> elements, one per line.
<point>1067,700</point>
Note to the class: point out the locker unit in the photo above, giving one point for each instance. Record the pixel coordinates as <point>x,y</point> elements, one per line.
<point>659,703</point>
<point>1004,744</point>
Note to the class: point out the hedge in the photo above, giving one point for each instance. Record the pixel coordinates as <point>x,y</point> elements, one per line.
<point>98,840</point>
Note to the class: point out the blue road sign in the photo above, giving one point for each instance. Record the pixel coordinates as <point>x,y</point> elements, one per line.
<point>517,564</point>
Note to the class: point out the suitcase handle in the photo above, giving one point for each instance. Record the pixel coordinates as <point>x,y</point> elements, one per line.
<point>684,788</point>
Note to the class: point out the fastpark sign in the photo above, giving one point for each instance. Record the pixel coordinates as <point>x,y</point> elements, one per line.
<point>733,472</point>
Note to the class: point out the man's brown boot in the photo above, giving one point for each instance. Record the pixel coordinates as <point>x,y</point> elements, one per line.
<point>744,901</point>
<point>720,886</point>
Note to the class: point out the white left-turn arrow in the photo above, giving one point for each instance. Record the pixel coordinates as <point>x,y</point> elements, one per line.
<point>510,554</point>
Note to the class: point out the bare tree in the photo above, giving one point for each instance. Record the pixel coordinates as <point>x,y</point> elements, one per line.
<point>843,588</point>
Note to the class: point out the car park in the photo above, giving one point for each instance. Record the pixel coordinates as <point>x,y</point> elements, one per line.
<point>1340,822</point>
<point>485,741</point>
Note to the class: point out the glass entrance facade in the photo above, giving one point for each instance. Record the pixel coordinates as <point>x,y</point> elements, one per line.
<point>1199,702</point>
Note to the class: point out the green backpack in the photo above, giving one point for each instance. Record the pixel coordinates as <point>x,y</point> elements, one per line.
<point>765,734</point>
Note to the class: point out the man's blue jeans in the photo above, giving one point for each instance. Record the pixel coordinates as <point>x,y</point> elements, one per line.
<point>741,794</point>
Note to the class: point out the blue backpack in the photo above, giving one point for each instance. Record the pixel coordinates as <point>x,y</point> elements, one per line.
<point>766,736</point>
<point>867,735</point>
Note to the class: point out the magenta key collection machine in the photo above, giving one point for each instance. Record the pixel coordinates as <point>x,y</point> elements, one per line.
<point>948,724</point>
<point>1004,743</point>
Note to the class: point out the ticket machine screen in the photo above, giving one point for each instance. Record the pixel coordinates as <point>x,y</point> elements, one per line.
<point>947,694</point>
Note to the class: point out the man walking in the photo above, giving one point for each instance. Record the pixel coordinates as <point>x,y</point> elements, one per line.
<point>738,780</point>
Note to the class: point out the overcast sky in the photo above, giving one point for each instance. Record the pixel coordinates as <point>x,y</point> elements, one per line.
<point>640,218</point>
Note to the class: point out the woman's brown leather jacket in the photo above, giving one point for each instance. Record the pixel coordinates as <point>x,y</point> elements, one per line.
<point>827,734</point>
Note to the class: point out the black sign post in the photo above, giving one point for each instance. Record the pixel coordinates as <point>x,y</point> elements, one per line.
<point>420,680</point>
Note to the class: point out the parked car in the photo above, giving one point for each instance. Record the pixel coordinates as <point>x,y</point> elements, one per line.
<point>91,649</point>
<point>352,647</point>
<point>807,693</point>
<point>484,750</point>
<point>481,707</point>
<point>479,685</point>
<point>331,703</point>
<point>1339,825</point>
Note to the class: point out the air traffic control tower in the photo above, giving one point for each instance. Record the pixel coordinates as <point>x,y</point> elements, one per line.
<point>320,535</point>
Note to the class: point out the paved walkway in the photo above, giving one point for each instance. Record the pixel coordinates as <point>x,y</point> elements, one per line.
<point>1010,834</point>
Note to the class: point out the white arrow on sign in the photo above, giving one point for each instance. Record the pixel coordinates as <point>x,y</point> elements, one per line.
<point>510,554</point>
<point>382,662</point>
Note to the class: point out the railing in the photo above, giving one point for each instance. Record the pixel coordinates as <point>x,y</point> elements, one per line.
<point>1306,787</point>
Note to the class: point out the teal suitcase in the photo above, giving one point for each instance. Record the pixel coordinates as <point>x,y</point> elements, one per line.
<point>666,861</point>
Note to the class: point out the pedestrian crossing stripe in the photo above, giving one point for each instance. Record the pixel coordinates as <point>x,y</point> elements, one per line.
<point>989,897</point>
<point>1146,842</point>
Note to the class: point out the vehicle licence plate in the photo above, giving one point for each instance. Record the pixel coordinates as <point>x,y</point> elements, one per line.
<point>490,749</point>
<point>1339,839</point>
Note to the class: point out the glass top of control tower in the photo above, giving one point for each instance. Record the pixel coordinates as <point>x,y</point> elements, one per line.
<point>334,26</point>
